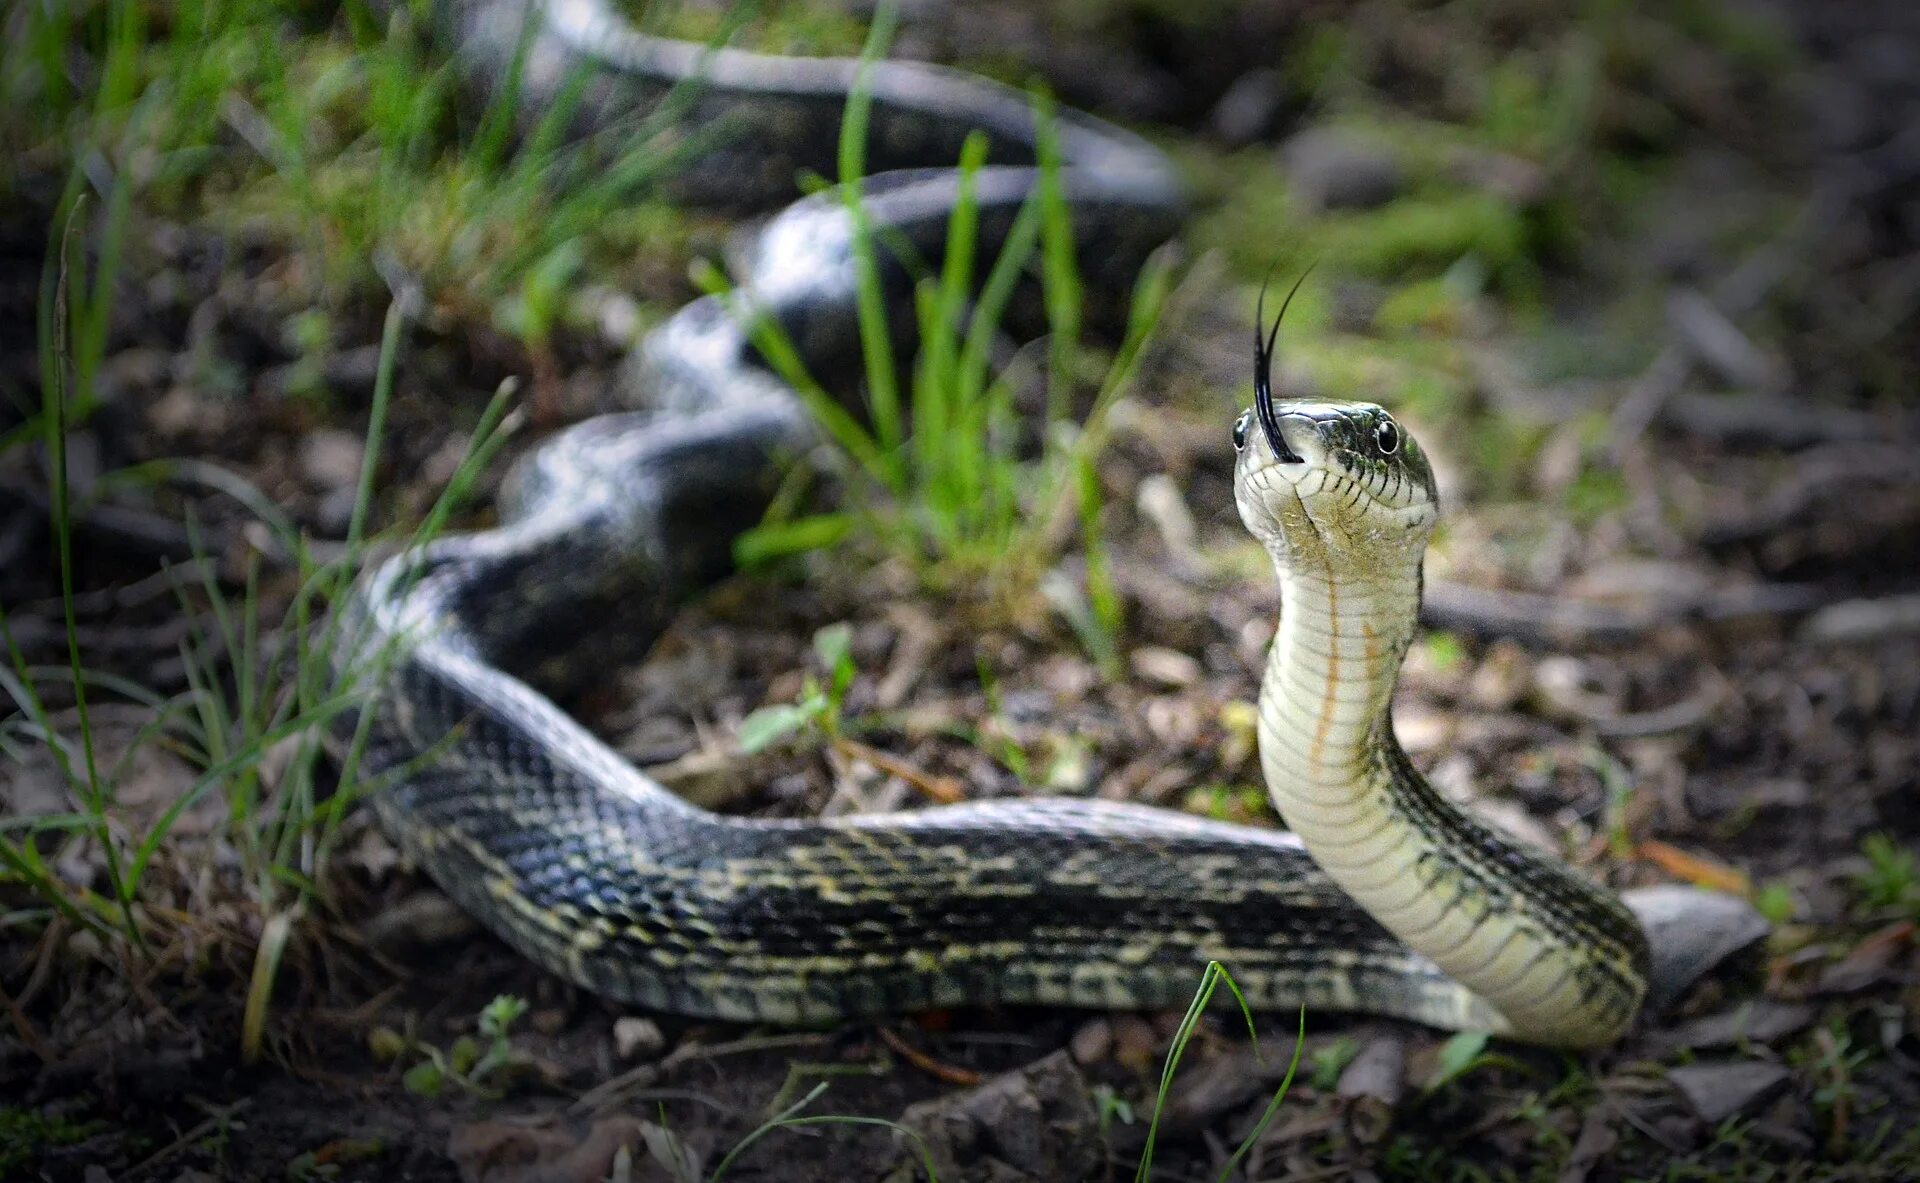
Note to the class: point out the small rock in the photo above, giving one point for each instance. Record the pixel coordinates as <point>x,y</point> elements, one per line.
<point>1373,1083</point>
<point>1246,112</point>
<point>353,370</point>
<point>1501,677</point>
<point>1513,819</point>
<point>421,920</point>
<point>1092,1043</point>
<point>183,410</point>
<point>615,313</point>
<point>333,517</point>
<point>1036,1123</point>
<point>1596,1142</point>
<point>1787,1123</point>
<point>1379,1070</point>
<point>1718,1091</point>
<point>1759,1021</point>
<point>1206,1090</point>
<point>1692,933</point>
<point>1331,168</point>
<point>1858,621</point>
<point>1168,667</point>
<point>545,1150</point>
<point>1134,1043</point>
<point>1570,689</point>
<point>330,459</point>
<point>548,1020</point>
<point>1868,963</point>
<point>635,1038</point>
<point>1161,502</point>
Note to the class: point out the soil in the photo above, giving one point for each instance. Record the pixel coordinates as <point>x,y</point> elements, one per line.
<point>1703,668</point>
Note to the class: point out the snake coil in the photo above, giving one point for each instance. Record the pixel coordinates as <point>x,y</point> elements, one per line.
<point>600,874</point>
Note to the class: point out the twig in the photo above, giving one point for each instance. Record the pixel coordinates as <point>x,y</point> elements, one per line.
<point>1715,341</point>
<point>1854,621</point>
<point>644,1075</point>
<point>1526,616</point>
<point>1537,619</point>
<point>948,1073</point>
<point>1815,475</point>
<point>23,1026</point>
<point>1776,421</point>
<point>220,1118</point>
<point>50,942</point>
<point>1743,290</point>
<point>944,790</point>
<point>132,529</point>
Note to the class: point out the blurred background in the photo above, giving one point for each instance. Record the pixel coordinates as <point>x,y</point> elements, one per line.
<point>1642,278</point>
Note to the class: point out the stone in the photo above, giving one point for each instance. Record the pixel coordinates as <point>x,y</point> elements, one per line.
<point>1718,1091</point>
<point>1331,168</point>
<point>635,1038</point>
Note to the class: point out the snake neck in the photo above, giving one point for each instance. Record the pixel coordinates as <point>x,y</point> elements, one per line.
<point>1556,956</point>
<point>1330,676</point>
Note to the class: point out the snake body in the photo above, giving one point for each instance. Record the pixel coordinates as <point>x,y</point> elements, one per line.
<point>1383,899</point>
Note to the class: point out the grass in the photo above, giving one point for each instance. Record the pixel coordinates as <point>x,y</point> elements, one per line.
<point>262,695</point>
<point>820,704</point>
<point>1890,880</point>
<point>474,1063</point>
<point>356,157</point>
<point>1211,979</point>
<point>359,162</point>
<point>944,473</point>
<point>25,1135</point>
<point>350,143</point>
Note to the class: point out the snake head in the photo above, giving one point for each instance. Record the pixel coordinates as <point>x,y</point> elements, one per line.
<point>1347,486</point>
<point>1341,480</point>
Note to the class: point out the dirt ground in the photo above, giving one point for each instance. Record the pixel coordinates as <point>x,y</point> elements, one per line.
<point>1675,621</point>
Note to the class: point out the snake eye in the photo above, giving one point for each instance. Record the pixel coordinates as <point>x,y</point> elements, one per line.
<point>1386,437</point>
<point>1240,429</point>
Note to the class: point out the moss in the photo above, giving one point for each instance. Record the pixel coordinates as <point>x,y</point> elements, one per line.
<point>1595,493</point>
<point>778,26</point>
<point>25,1136</point>
<point>1244,804</point>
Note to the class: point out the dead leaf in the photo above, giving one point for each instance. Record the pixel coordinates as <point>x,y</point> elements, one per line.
<point>543,1150</point>
<point>1597,1140</point>
<point>1867,963</point>
<point>1718,1091</point>
<point>1695,869</point>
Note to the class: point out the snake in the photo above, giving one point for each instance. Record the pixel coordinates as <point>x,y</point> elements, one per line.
<point>1381,897</point>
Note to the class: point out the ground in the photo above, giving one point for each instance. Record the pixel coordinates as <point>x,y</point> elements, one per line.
<point>1645,284</point>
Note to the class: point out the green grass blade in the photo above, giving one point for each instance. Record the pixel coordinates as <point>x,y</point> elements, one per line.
<point>876,343</point>
<point>771,340</point>
<point>1273,1106</point>
<point>1210,980</point>
<point>789,1118</point>
<point>937,436</point>
<point>54,415</point>
<point>1060,270</point>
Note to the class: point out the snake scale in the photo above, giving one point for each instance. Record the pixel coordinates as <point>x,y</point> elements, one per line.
<point>1384,898</point>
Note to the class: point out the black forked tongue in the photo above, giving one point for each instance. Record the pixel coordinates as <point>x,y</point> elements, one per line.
<point>1263,371</point>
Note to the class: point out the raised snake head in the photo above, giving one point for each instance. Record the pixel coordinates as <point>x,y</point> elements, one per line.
<point>1337,486</point>
<point>1345,490</point>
